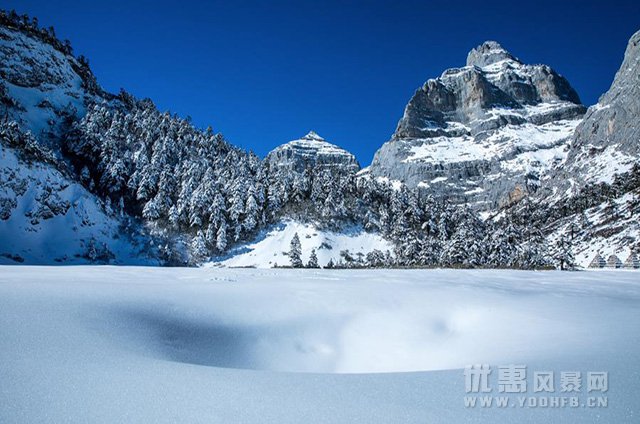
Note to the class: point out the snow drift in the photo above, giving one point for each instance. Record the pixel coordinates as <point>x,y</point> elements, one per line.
<point>210,345</point>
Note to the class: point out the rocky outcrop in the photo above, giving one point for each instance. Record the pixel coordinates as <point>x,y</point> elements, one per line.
<point>312,151</point>
<point>42,87</point>
<point>607,141</point>
<point>600,220</point>
<point>476,133</point>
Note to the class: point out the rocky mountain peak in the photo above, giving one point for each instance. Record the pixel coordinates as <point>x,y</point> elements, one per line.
<point>479,133</point>
<point>42,84</point>
<point>312,136</point>
<point>488,53</point>
<point>312,151</point>
<point>494,81</point>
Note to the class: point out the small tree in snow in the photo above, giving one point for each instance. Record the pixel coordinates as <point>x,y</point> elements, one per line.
<point>295,252</point>
<point>91,250</point>
<point>313,260</point>
<point>564,255</point>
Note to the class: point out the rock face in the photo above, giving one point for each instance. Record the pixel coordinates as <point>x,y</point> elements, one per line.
<point>46,215</point>
<point>605,143</point>
<point>41,87</point>
<point>312,151</point>
<point>477,133</point>
<point>608,140</point>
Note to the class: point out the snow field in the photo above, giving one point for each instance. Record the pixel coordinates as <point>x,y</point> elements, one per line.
<point>290,346</point>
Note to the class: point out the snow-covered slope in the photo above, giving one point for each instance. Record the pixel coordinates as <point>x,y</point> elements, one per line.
<point>272,247</point>
<point>483,134</point>
<point>46,218</point>
<point>601,230</point>
<point>46,215</point>
<point>166,345</point>
<point>606,145</point>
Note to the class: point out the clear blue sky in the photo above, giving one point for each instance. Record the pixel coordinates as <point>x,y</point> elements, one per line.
<point>263,73</point>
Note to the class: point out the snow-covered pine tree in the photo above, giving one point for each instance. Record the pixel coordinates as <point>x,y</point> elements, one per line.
<point>221,237</point>
<point>295,252</point>
<point>313,260</point>
<point>375,259</point>
<point>211,234</point>
<point>250,211</point>
<point>564,253</point>
<point>199,251</point>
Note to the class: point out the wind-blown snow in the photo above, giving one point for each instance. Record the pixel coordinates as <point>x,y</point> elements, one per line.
<point>126,344</point>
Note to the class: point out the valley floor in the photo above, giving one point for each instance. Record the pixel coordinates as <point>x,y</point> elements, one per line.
<point>211,345</point>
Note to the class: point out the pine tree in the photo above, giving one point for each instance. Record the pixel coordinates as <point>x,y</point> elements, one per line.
<point>221,237</point>
<point>199,250</point>
<point>564,253</point>
<point>295,252</point>
<point>211,234</point>
<point>375,259</point>
<point>313,260</point>
<point>251,212</point>
<point>91,252</point>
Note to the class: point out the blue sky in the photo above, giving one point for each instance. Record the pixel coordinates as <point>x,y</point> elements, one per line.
<point>263,73</point>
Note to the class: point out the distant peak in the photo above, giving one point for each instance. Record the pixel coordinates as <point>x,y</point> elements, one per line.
<point>312,135</point>
<point>488,53</point>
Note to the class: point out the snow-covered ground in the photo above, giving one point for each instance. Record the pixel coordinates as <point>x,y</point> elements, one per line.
<point>271,248</point>
<point>133,344</point>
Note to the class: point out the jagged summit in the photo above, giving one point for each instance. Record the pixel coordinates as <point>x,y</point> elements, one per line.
<point>312,150</point>
<point>313,136</point>
<point>484,133</point>
<point>494,81</point>
<point>488,53</point>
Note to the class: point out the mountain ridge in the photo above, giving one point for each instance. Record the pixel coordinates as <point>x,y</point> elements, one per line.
<point>475,150</point>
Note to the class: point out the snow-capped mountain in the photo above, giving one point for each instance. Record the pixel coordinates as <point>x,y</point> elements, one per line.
<point>483,134</point>
<point>89,176</point>
<point>312,151</point>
